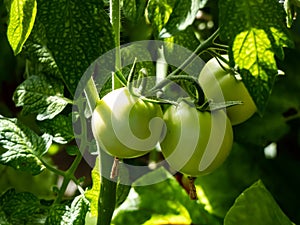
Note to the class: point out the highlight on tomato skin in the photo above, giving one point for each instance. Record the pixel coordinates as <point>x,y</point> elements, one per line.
<point>220,85</point>
<point>196,143</point>
<point>125,126</point>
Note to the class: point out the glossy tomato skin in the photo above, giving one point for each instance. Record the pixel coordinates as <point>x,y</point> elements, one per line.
<point>126,126</point>
<point>196,143</point>
<point>221,86</point>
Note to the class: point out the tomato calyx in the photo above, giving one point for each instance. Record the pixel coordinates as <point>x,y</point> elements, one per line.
<point>182,81</point>
<point>211,106</point>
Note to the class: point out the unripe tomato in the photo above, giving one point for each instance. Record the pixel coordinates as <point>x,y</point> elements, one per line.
<point>221,86</point>
<point>125,126</point>
<point>196,143</point>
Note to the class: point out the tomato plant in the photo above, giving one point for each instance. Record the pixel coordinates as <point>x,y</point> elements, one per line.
<point>125,125</point>
<point>65,70</point>
<point>221,85</point>
<point>196,143</point>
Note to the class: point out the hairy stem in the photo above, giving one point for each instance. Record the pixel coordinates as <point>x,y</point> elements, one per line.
<point>91,94</point>
<point>115,22</point>
<point>208,43</point>
<point>202,47</point>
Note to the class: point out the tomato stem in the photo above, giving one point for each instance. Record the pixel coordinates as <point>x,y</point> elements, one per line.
<point>192,188</point>
<point>194,81</point>
<point>161,65</point>
<point>208,43</point>
<point>121,78</point>
<point>130,83</point>
<point>114,168</point>
<point>69,175</point>
<point>219,57</point>
<point>202,47</point>
<point>142,82</point>
<point>115,12</point>
<point>159,101</point>
<point>91,94</point>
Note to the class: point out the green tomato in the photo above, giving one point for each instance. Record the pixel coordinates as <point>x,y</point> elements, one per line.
<point>196,143</point>
<point>125,126</point>
<point>221,86</point>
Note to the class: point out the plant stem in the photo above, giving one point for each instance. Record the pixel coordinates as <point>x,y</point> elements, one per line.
<point>91,94</point>
<point>202,47</point>
<point>108,188</point>
<point>69,175</point>
<point>106,204</point>
<point>115,22</point>
<point>208,43</point>
<point>52,169</point>
<point>161,65</point>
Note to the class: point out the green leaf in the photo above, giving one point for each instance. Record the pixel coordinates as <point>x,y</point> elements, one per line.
<point>256,206</point>
<point>20,208</point>
<point>24,147</point>
<point>41,95</point>
<point>135,25</point>
<point>134,10</point>
<point>36,50</point>
<point>60,127</point>
<point>158,13</point>
<point>244,166</point>
<point>183,15</point>
<point>73,214</point>
<point>130,10</point>
<point>77,33</point>
<point>93,194</point>
<point>22,15</point>
<point>170,17</point>
<point>171,204</point>
<point>255,32</point>
<point>185,39</point>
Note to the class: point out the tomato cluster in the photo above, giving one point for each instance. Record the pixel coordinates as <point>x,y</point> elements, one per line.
<point>193,141</point>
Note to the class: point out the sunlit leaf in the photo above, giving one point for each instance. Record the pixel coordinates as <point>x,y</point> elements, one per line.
<point>60,127</point>
<point>255,32</point>
<point>183,15</point>
<point>170,205</point>
<point>22,15</point>
<point>134,10</point>
<point>23,146</point>
<point>158,13</point>
<point>93,194</point>
<point>256,200</point>
<point>41,95</point>
<point>68,214</point>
